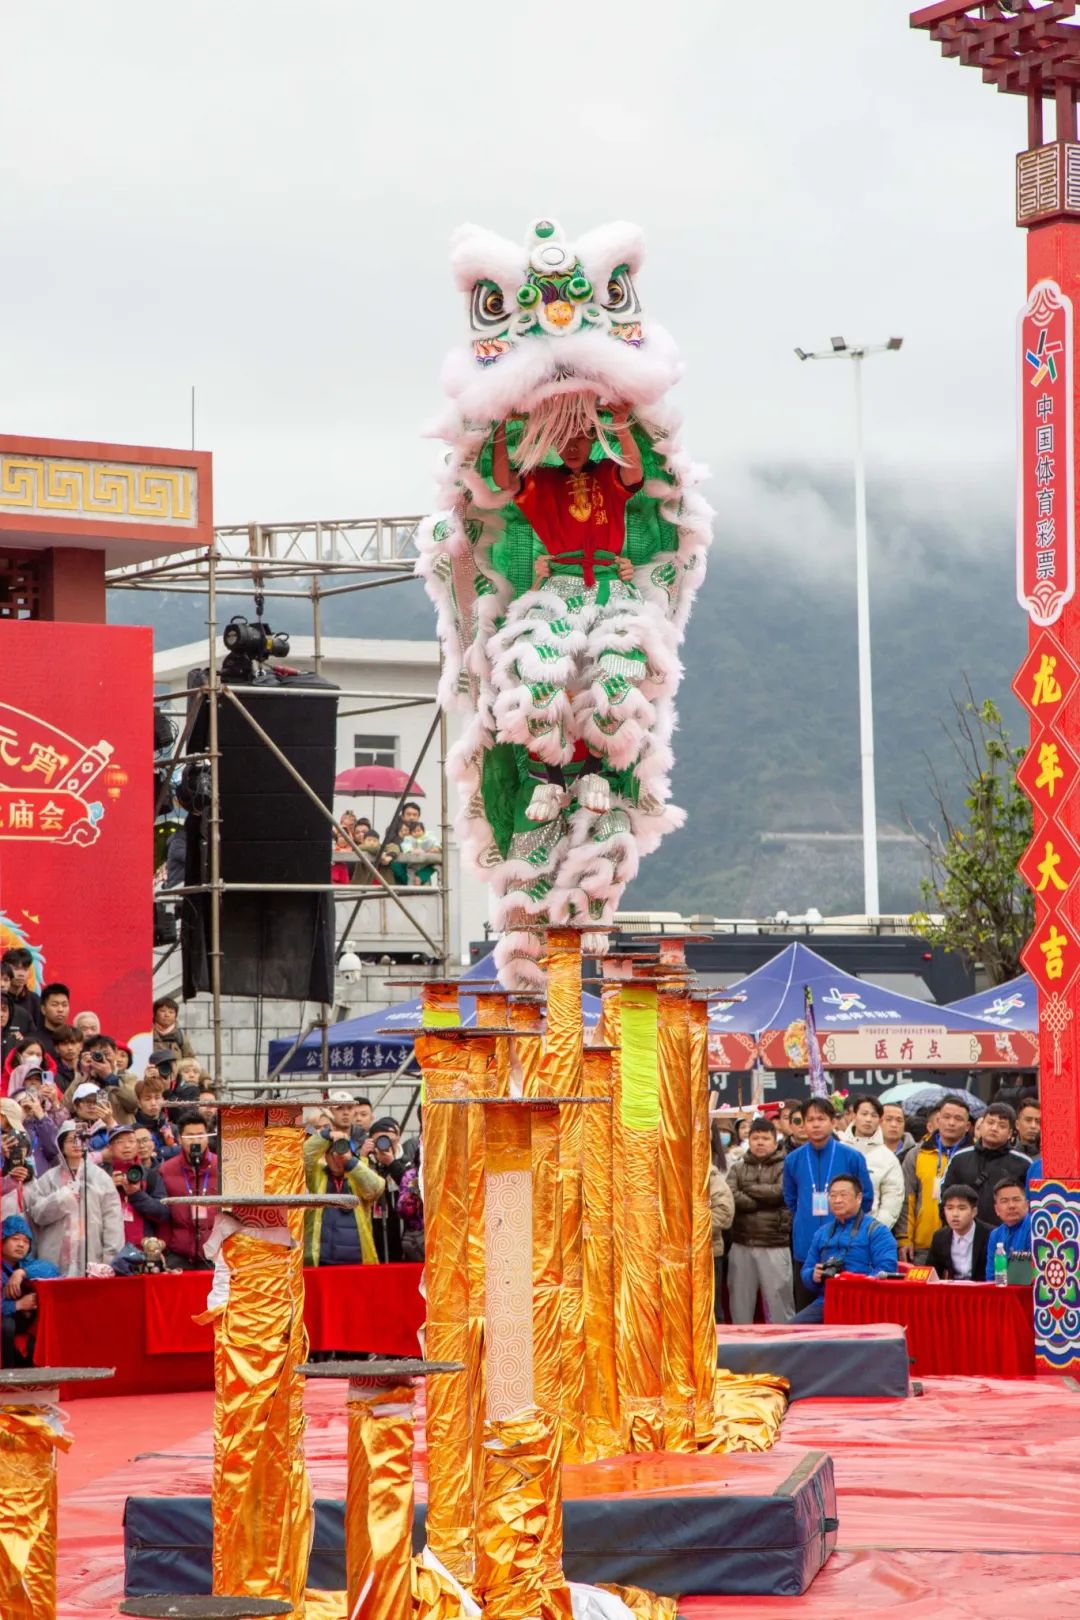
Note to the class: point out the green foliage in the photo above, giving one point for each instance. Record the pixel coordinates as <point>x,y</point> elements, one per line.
<point>986,909</point>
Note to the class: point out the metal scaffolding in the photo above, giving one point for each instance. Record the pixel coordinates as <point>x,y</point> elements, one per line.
<point>293,561</point>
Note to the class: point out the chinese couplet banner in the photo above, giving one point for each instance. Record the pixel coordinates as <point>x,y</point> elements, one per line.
<point>76,812</point>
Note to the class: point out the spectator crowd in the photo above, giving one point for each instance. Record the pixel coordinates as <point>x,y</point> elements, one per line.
<point>92,1149</point>
<point>852,1185</point>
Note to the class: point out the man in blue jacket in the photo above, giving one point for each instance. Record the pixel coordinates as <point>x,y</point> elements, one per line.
<point>1011,1209</point>
<point>808,1174</point>
<point>847,1240</point>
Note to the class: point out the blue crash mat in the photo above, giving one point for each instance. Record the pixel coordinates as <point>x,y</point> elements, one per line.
<point>680,1526</point>
<point>868,1362</point>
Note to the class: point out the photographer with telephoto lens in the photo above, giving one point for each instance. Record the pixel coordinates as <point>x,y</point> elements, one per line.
<point>334,1236</point>
<point>383,1153</point>
<point>140,1191</point>
<point>849,1240</point>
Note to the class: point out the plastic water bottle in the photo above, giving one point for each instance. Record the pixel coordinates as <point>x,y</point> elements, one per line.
<point>1001,1265</point>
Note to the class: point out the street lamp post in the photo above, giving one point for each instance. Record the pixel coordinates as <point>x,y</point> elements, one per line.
<point>857,353</point>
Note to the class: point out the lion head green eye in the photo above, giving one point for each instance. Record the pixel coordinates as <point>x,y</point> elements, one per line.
<point>528,296</point>
<point>579,288</point>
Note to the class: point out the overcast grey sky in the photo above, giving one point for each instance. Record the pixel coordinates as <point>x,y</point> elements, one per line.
<point>256,197</point>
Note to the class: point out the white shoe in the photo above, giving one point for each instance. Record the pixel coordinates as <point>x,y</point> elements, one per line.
<point>547,800</point>
<point>594,793</point>
<point>594,944</point>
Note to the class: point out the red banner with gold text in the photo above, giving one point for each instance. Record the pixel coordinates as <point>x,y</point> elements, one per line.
<point>76,812</point>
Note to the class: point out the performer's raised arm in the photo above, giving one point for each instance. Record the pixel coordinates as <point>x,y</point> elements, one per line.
<point>502,472</point>
<point>631,471</point>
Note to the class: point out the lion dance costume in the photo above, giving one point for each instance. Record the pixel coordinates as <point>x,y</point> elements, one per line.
<point>563,562</point>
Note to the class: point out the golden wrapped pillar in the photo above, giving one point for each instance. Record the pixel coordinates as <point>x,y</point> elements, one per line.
<point>261,1492</point>
<point>527,1054</point>
<point>602,1430</point>
<point>31,1435</point>
<point>453,1067</point>
<point>439,1004</point>
<point>703,1276</point>
<point>615,971</point>
<point>565,1030</point>
<point>675,1209</point>
<point>638,1347</point>
<point>562,1078</point>
<point>519,1526</point>
<point>379,1501</point>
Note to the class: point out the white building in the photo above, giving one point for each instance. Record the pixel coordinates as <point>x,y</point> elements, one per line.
<point>398,680</point>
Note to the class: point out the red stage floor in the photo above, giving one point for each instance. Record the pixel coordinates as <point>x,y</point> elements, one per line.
<point>960,1505</point>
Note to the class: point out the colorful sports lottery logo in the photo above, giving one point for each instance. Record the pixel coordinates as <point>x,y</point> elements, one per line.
<point>1041,359</point>
<point>845,1000</point>
<point>1003,1005</point>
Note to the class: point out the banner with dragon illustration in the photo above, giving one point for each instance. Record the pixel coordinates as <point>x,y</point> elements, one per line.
<point>76,812</point>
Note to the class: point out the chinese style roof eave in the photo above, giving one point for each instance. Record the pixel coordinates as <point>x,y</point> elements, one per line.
<point>1028,53</point>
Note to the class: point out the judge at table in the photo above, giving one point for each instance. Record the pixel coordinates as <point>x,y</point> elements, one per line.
<point>848,1241</point>
<point>958,1249</point>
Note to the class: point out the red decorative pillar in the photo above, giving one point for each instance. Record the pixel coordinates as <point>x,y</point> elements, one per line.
<point>1035,53</point>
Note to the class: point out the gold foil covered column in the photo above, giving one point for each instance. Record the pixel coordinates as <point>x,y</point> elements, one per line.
<point>526,1055</point>
<point>703,1276</point>
<point>31,1434</point>
<point>602,1432</point>
<point>439,1004</point>
<point>261,1492</point>
<point>675,1205</point>
<point>379,1502</point>
<point>449,1067</point>
<point>520,1505</point>
<point>565,1030</point>
<point>638,1349</point>
<point>562,1078</point>
<point>261,1533</point>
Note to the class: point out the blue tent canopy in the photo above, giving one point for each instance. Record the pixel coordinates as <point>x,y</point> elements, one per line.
<point>773,998</point>
<point>361,1045</point>
<point>1015,1004</point>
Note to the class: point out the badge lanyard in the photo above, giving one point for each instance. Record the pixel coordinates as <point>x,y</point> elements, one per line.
<point>820,1202</point>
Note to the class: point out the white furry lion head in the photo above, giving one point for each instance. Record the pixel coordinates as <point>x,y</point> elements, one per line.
<point>554,317</point>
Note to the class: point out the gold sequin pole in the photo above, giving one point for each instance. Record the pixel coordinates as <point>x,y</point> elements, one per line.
<point>602,1437</point>
<point>639,1342</point>
<point>492,1011</point>
<point>675,1207</point>
<point>701,1258</point>
<point>379,1502</point>
<point>452,1067</point>
<point>31,1434</point>
<point>261,1492</point>
<point>519,1521</point>
<point>614,971</point>
<point>562,1078</point>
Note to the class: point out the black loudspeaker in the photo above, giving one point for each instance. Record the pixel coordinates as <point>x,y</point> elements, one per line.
<point>275,945</point>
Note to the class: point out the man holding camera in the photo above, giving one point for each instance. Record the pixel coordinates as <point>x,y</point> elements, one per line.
<point>341,1237</point>
<point>848,1240</point>
<point>141,1191</point>
<point>192,1173</point>
<point>382,1150</point>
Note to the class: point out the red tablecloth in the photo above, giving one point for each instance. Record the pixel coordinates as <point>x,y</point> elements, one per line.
<point>976,1330</point>
<point>143,1326</point>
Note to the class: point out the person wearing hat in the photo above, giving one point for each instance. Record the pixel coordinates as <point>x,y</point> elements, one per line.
<point>90,1111</point>
<point>140,1190</point>
<point>74,1209</point>
<point>18,1273</point>
<point>382,1152</point>
<point>340,1105</point>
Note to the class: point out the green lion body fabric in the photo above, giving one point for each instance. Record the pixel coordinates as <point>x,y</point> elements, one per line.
<point>563,561</point>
